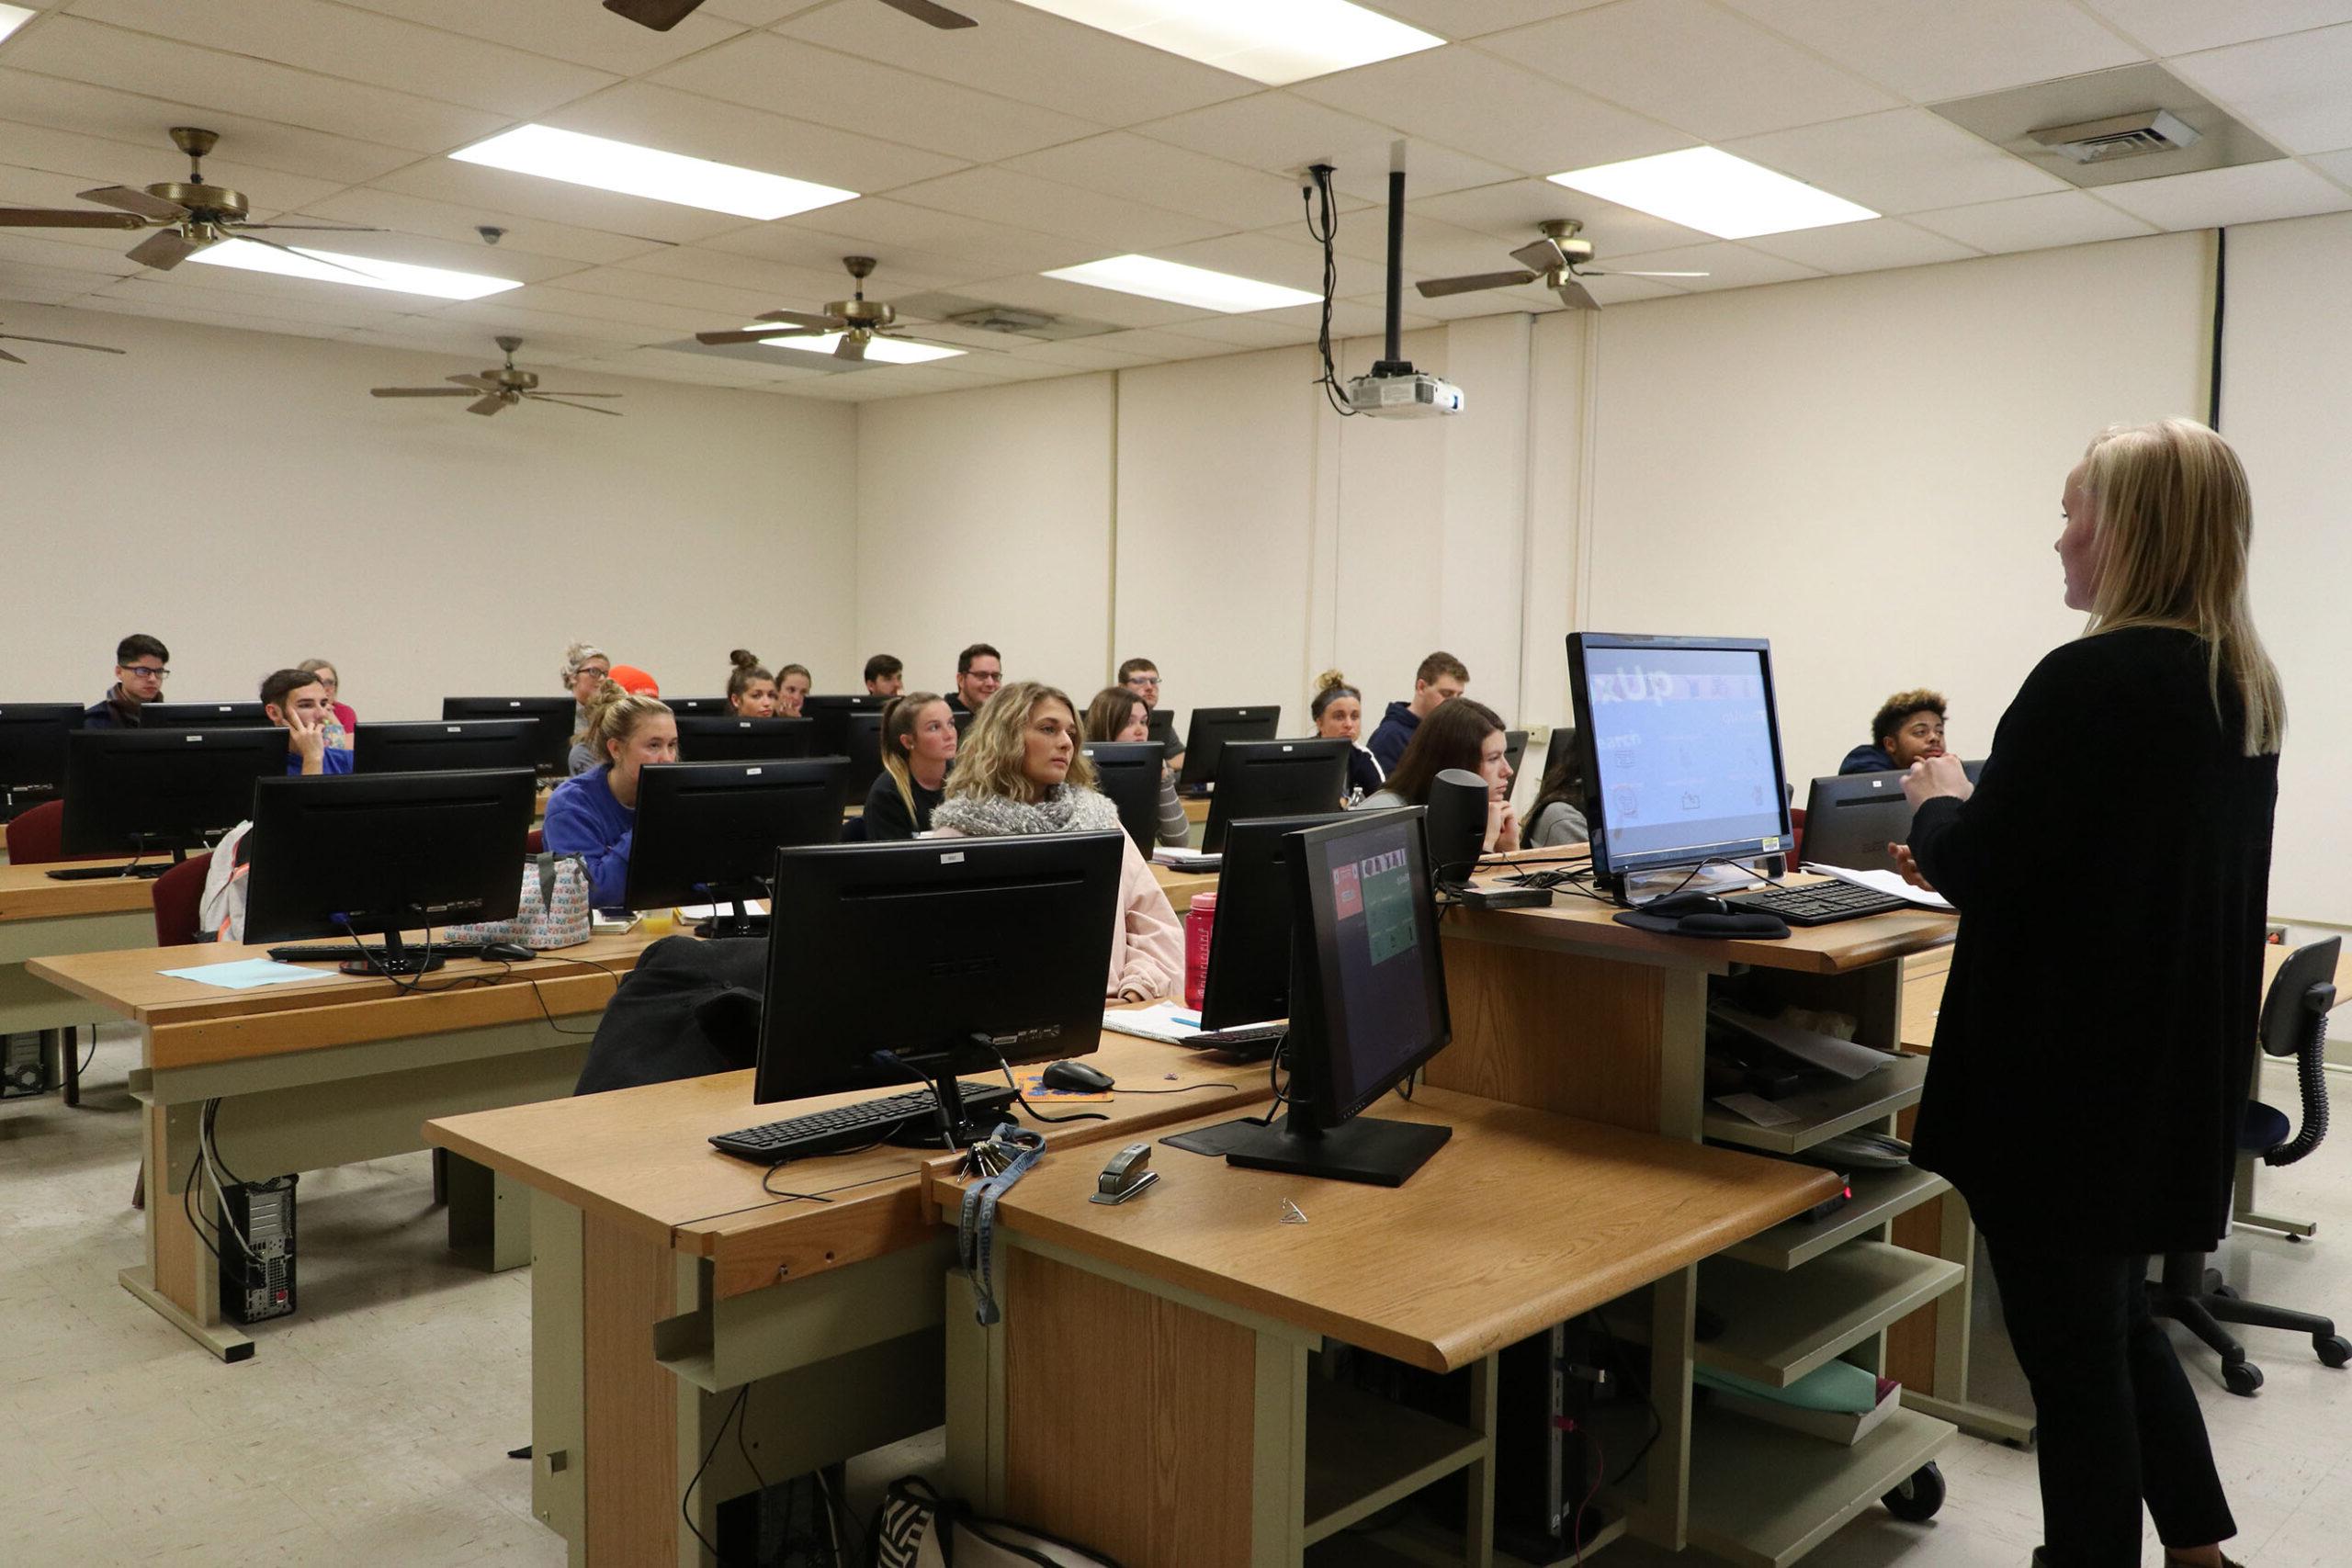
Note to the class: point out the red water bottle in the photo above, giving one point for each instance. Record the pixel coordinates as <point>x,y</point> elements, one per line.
<point>1199,922</point>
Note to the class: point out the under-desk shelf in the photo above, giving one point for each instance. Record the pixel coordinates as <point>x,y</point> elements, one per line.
<point>1779,1327</point>
<point>1364,1452</point>
<point>1825,1114</point>
<point>1762,1496</point>
<point>1879,1196</point>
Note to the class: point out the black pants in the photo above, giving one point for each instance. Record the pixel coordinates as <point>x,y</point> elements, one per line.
<point>2118,1422</point>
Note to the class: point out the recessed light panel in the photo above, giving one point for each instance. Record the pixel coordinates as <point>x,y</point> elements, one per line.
<point>1273,41</point>
<point>12,17</point>
<point>888,350</point>
<point>601,163</point>
<point>361,272</point>
<point>1181,284</point>
<point>1710,190</point>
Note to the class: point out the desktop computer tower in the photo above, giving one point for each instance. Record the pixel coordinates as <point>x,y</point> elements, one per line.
<point>24,1064</point>
<point>1545,1462</point>
<point>257,1275</point>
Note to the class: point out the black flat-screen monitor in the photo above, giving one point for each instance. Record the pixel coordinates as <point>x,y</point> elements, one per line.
<point>442,745</point>
<point>963,718</point>
<point>893,962</point>
<point>698,706</point>
<point>1249,956</point>
<point>832,710</point>
<point>862,747</point>
<point>1211,729</point>
<point>374,857</point>
<point>557,716</point>
<point>1128,772</point>
<point>732,740</point>
<point>1974,769</point>
<point>707,833</point>
<point>1273,778</point>
<point>1367,1003</point>
<point>33,752</point>
<point>1849,819</point>
<point>202,716</point>
<point>1514,753</point>
<point>1680,744</point>
<point>1163,732</point>
<point>139,791</point>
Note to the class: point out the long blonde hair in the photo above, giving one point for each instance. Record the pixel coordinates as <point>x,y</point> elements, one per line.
<point>988,761</point>
<point>616,715</point>
<point>2174,520</point>
<point>899,716</point>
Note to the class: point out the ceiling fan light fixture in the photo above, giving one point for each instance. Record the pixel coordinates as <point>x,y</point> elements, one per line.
<point>1710,190</point>
<point>1180,285</point>
<point>12,17</point>
<point>1273,41</point>
<point>882,350</point>
<point>601,163</point>
<point>361,272</point>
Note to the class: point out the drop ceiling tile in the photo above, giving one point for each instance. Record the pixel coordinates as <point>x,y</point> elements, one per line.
<point>29,247</point>
<point>1077,356</point>
<point>506,313</point>
<point>468,346</point>
<point>1514,212</point>
<point>260,294</point>
<point>563,30</point>
<point>1028,55</point>
<point>759,13</point>
<point>1369,321</point>
<point>2033,222</point>
<point>2293,90</point>
<point>1060,296</point>
<point>1901,161</point>
<point>1159,344</point>
<point>1927,49</point>
<point>1282,132</point>
<point>422,250</point>
<point>1295,262</point>
<point>719,305</point>
<point>729,134</point>
<point>2251,193</point>
<point>655,318</point>
<point>472,186</point>
<point>245,321</point>
<point>28,282</point>
<point>1628,291</point>
<point>2338,166</point>
<point>1690,66</point>
<point>764,71</point>
<point>361,46</point>
<point>1432,249</point>
<point>1727,266</point>
<point>900,235</point>
<point>445,220</point>
<point>1493,110</point>
<point>1124,165</point>
<point>1114,224</point>
<point>780,284</point>
<point>83,50</point>
<point>128,146</point>
<point>2183,27</point>
<point>1460,19</point>
<point>1863,247</point>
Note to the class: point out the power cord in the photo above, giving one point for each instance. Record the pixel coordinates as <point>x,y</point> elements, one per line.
<point>685,1503</point>
<point>1642,1385</point>
<point>1280,1085</point>
<point>1323,227</point>
<point>1022,1100</point>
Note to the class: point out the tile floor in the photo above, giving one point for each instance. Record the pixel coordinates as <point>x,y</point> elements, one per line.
<point>373,1427</point>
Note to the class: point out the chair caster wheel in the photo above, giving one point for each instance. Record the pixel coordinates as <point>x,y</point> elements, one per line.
<point>1918,1496</point>
<point>2335,1350</point>
<point>2241,1378</point>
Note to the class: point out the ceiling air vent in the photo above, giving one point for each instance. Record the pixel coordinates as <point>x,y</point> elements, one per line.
<point>1005,319</point>
<point>2119,136</point>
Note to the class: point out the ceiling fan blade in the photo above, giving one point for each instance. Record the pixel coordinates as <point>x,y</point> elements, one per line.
<point>760,336</point>
<point>11,358</point>
<point>1611,271</point>
<point>659,15</point>
<point>66,218</point>
<point>1543,255</point>
<point>316,227</point>
<point>1438,287</point>
<point>937,15</point>
<point>419,392</point>
<point>815,321</point>
<point>1575,295</point>
<point>851,346</point>
<point>489,404</point>
<point>163,250</point>
<point>547,394</point>
<point>131,199</point>
<point>583,408</point>
<point>479,383</point>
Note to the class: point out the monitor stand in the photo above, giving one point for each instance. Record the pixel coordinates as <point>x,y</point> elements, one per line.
<point>103,873</point>
<point>950,1127</point>
<point>1365,1148</point>
<point>398,959</point>
<point>1639,887</point>
<point>733,919</point>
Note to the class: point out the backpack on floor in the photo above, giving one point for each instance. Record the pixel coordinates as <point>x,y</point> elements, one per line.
<point>916,1527</point>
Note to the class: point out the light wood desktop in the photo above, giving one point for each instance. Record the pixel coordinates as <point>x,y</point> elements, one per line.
<point>44,917</point>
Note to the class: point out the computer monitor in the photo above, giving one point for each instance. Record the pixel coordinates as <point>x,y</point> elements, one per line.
<point>1249,976</point>
<point>32,751</point>
<point>963,719</point>
<point>148,789</point>
<point>940,953</point>
<point>861,746</point>
<point>1273,778</point>
<point>732,740</point>
<point>1850,819</point>
<point>1514,753</point>
<point>1163,731</point>
<point>707,833</point>
<point>1211,729</point>
<point>1680,745</point>
<point>557,716</point>
<point>202,716</point>
<point>698,706</point>
<point>832,710</point>
<point>374,857</point>
<point>1975,770</point>
<point>430,746</point>
<point>1367,1004</point>
<point>1128,772</point>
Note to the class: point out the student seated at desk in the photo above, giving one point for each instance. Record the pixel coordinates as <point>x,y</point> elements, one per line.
<point>593,815</point>
<point>885,675</point>
<point>1141,676</point>
<point>629,678</point>
<point>980,671</point>
<point>917,746</point>
<point>1440,680</point>
<point>1338,712</point>
<point>793,684</point>
<point>339,731</point>
<point>1909,727</point>
<point>586,667</point>
<point>297,704</point>
<point>1118,714</point>
<point>1557,816</point>
<point>751,689</point>
<point>140,671</point>
<point>1021,771</point>
<point>1462,734</point>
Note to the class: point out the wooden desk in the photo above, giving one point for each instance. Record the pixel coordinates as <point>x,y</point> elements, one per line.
<point>321,1073</point>
<point>1522,1221</point>
<point>1180,885</point>
<point>42,918</point>
<point>665,1280</point>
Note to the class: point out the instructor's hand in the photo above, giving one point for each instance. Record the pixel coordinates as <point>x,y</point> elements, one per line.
<point>1908,868</point>
<point>1933,776</point>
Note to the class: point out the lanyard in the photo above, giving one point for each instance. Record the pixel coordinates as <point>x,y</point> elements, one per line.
<point>1005,1158</point>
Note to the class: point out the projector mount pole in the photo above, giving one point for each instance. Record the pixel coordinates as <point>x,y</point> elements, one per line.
<point>1394,362</point>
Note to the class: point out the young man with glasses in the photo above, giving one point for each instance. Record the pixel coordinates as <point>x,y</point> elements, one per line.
<point>1141,676</point>
<point>140,667</point>
<point>980,671</point>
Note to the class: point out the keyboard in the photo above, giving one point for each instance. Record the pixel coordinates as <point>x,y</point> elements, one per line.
<point>853,1126</point>
<point>101,873</point>
<point>1242,1036</point>
<point>351,951</point>
<point>1819,903</point>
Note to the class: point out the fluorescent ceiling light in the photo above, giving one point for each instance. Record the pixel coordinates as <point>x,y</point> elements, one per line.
<point>1181,284</point>
<point>604,164</point>
<point>1273,41</point>
<point>888,350</point>
<point>12,17</point>
<point>361,272</point>
<point>1708,189</point>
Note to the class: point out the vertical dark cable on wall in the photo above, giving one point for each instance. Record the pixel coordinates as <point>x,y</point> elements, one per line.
<point>2220,304</point>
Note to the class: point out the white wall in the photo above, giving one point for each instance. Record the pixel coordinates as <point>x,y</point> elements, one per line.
<point>239,495</point>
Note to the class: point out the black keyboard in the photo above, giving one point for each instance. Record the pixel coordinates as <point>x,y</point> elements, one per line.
<point>1247,1037</point>
<point>1819,903</point>
<point>101,873</point>
<point>853,1126</point>
<point>352,952</point>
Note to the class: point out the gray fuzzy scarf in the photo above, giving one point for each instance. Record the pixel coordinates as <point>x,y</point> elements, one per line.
<point>1068,810</point>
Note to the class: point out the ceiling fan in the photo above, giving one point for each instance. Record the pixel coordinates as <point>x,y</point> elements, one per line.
<point>664,15</point>
<point>857,319</point>
<point>187,217</point>
<point>498,387</point>
<point>1557,261</point>
<point>54,342</point>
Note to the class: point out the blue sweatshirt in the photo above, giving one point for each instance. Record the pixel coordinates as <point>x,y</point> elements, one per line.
<point>1396,733</point>
<point>1870,759</point>
<point>333,760</point>
<point>584,819</point>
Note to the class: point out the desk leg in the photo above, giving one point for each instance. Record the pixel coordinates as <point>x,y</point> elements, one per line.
<point>489,1214</point>
<point>628,1458</point>
<point>181,1279</point>
<point>559,1370</point>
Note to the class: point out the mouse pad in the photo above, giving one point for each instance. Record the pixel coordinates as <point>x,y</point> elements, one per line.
<point>1215,1142</point>
<point>1033,1087</point>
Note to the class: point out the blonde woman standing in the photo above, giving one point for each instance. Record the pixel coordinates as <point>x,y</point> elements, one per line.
<point>1021,770</point>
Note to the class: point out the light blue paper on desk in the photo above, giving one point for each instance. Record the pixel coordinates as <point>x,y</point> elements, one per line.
<point>245,975</point>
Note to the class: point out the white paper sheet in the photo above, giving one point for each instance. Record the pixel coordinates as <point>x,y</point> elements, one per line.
<point>1884,881</point>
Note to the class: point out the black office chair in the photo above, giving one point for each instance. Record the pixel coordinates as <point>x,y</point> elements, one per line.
<point>2294,1023</point>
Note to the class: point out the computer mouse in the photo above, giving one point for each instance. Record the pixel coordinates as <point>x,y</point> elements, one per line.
<point>1076,1076</point>
<point>1674,905</point>
<point>506,953</point>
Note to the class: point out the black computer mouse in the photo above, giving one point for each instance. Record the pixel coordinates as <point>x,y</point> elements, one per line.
<point>1676,905</point>
<point>506,953</point>
<point>1076,1076</point>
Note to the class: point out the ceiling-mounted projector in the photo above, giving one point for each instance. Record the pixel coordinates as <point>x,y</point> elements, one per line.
<point>1402,393</point>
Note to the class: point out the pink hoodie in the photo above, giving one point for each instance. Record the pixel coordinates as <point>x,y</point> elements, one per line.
<point>1147,946</point>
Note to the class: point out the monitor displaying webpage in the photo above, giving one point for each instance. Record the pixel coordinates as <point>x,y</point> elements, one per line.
<point>1682,749</point>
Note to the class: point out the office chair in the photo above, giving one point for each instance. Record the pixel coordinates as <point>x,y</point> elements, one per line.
<point>37,837</point>
<point>2294,1023</point>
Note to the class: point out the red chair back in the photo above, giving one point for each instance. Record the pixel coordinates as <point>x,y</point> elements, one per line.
<point>1796,835</point>
<point>37,837</point>
<point>535,841</point>
<point>179,896</point>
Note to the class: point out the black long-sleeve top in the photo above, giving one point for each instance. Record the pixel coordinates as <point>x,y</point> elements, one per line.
<point>2095,1044</point>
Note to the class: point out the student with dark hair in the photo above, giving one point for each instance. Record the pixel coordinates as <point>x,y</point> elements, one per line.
<point>1465,735</point>
<point>1141,676</point>
<point>140,667</point>
<point>980,671</point>
<point>594,814</point>
<point>1337,713</point>
<point>343,722</point>
<point>1120,712</point>
<point>1440,679</point>
<point>1909,727</point>
<point>1557,816</point>
<point>298,705</point>
<point>885,675</point>
<point>918,747</point>
<point>793,684</point>
<point>751,687</point>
